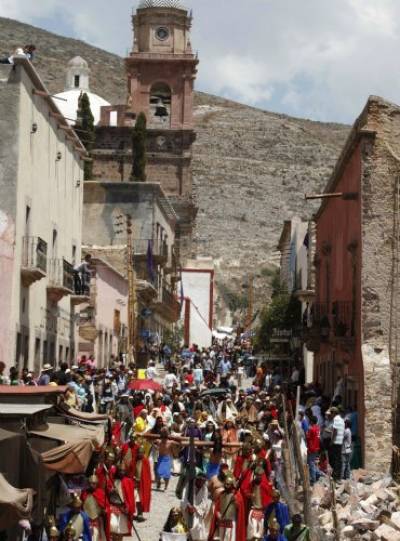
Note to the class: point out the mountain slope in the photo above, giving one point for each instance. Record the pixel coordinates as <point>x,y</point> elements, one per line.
<point>53,53</point>
<point>251,168</point>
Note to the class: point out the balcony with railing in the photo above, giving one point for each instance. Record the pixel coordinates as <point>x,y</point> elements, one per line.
<point>61,279</point>
<point>159,250</point>
<point>167,304</point>
<point>343,321</point>
<point>316,325</point>
<point>304,294</point>
<point>34,260</point>
<point>82,287</point>
<point>329,323</point>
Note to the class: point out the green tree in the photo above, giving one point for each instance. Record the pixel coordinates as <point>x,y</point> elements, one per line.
<point>233,299</point>
<point>85,129</point>
<point>139,136</point>
<point>283,312</point>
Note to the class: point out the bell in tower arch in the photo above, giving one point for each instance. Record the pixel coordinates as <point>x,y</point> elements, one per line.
<point>160,106</point>
<point>161,110</point>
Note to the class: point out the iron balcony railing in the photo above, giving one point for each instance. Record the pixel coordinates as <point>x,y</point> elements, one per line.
<point>343,318</point>
<point>61,274</point>
<point>336,319</point>
<point>34,253</point>
<point>158,248</point>
<point>320,313</point>
<point>169,299</point>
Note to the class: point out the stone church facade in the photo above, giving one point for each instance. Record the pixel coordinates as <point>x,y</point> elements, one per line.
<point>161,70</point>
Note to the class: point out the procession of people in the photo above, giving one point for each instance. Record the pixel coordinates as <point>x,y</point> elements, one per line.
<point>194,417</point>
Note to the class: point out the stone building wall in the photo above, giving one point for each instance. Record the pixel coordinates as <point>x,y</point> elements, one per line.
<point>380,244</point>
<point>106,202</point>
<point>357,250</point>
<point>168,158</point>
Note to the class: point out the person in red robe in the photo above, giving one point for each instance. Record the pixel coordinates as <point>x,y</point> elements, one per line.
<point>128,454</point>
<point>229,520</point>
<point>142,477</point>
<point>116,433</point>
<point>106,471</point>
<point>256,478</point>
<point>96,506</point>
<point>122,505</point>
<point>243,461</point>
<point>262,456</point>
<point>257,494</point>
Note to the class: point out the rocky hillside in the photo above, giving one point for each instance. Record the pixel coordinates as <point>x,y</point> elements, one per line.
<point>53,53</point>
<point>251,168</point>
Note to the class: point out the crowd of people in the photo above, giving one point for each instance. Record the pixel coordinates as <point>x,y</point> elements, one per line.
<point>203,420</point>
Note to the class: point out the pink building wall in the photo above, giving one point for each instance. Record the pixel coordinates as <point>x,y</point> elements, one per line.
<point>110,292</point>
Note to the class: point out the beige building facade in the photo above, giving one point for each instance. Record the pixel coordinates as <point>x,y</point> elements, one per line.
<point>41,186</point>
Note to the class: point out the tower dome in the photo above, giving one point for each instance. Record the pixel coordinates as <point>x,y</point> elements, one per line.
<point>78,62</point>
<point>177,4</point>
<point>77,82</point>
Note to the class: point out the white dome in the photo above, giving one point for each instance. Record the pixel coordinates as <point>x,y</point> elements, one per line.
<point>69,108</point>
<point>78,62</point>
<point>177,4</point>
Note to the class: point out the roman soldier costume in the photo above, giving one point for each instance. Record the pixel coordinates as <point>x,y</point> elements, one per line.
<point>257,492</point>
<point>122,505</point>
<point>77,520</point>
<point>96,506</point>
<point>128,455</point>
<point>243,462</point>
<point>228,522</point>
<point>105,471</point>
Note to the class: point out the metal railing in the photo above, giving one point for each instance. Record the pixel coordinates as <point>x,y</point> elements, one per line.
<point>169,299</point>
<point>343,318</point>
<point>61,274</point>
<point>320,313</point>
<point>158,248</point>
<point>34,253</point>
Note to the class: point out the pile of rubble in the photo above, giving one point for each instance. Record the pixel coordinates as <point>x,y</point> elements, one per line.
<point>367,508</point>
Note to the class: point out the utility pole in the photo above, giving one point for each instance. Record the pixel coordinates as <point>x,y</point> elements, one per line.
<point>250,304</point>
<point>192,476</point>
<point>132,301</point>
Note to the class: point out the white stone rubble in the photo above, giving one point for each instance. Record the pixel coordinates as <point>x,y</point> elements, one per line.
<point>366,506</point>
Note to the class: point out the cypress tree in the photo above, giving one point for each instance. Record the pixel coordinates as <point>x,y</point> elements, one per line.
<point>139,136</point>
<point>85,129</point>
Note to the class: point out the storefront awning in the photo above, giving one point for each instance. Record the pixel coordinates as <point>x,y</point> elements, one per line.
<point>82,415</point>
<point>72,433</point>
<point>71,458</point>
<point>78,444</point>
<point>15,504</point>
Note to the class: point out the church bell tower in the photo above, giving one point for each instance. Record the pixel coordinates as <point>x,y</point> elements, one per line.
<point>162,67</point>
<point>161,71</point>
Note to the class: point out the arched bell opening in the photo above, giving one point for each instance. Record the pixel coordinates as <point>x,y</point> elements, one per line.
<point>160,106</point>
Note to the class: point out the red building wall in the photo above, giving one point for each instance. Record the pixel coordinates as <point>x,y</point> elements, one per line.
<point>338,279</point>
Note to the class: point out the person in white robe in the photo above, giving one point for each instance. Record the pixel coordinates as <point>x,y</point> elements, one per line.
<point>198,514</point>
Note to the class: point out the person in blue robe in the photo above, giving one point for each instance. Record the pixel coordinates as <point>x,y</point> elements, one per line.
<point>71,517</point>
<point>276,510</point>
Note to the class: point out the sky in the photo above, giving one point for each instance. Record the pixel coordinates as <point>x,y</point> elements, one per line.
<point>317,59</point>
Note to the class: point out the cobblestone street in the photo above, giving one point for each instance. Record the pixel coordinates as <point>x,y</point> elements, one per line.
<point>160,507</point>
